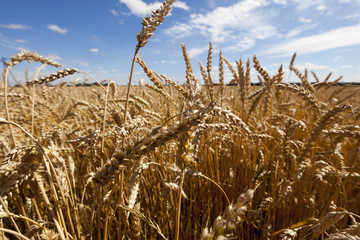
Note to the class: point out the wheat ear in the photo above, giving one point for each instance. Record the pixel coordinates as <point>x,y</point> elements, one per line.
<point>149,73</point>
<point>149,26</point>
<point>325,223</point>
<point>29,56</point>
<point>232,69</point>
<point>260,70</point>
<point>321,124</point>
<point>221,77</point>
<point>177,87</point>
<point>209,61</point>
<point>14,60</point>
<point>148,143</point>
<point>54,76</point>
<point>207,81</point>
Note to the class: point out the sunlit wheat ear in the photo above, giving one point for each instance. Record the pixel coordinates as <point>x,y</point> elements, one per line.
<point>189,71</point>
<point>241,74</point>
<point>207,81</point>
<point>31,57</point>
<point>149,73</point>
<point>14,60</point>
<point>149,26</point>
<point>260,70</point>
<point>209,61</point>
<point>177,86</point>
<point>141,101</point>
<point>54,76</point>
<point>323,122</point>
<point>298,123</point>
<point>232,69</point>
<point>292,61</point>
<point>309,98</point>
<point>151,23</point>
<point>221,77</point>
<point>158,137</point>
<point>232,119</point>
<point>303,77</point>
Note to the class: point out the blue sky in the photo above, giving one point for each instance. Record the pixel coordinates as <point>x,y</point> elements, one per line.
<point>99,37</point>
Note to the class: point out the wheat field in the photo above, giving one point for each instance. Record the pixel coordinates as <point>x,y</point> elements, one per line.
<point>165,160</point>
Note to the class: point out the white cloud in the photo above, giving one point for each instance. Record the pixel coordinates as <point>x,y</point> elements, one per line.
<point>355,15</point>
<point>321,7</point>
<point>168,62</point>
<point>21,41</point>
<point>15,26</point>
<point>340,37</point>
<point>94,50</point>
<point>55,28</point>
<point>54,57</point>
<point>114,12</point>
<point>179,30</point>
<point>300,29</point>
<point>231,24</point>
<point>221,22</point>
<point>313,66</point>
<point>304,20</point>
<point>243,44</point>
<point>8,42</point>
<point>142,9</point>
<point>181,5</point>
<point>306,4</point>
<point>283,2</point>
<point>193,52</point>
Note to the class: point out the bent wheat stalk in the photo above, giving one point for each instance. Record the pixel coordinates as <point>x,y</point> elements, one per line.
<point>148,143</point>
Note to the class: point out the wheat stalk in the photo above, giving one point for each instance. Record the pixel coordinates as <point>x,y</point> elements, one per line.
<point>149,26</point>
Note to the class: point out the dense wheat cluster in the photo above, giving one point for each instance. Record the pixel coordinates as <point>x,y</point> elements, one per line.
<point>180,161</point>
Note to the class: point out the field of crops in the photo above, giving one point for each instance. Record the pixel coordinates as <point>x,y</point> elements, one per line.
<point>165,160</point>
